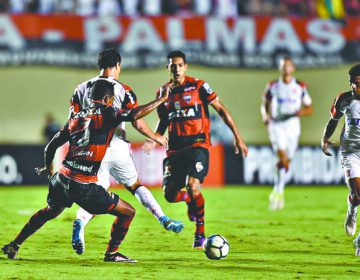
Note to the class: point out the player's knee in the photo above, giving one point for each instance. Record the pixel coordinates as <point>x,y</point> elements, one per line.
<point>131,212</point>
<point>133,187</point>
<point>193,187</point>
<point>169,194</point>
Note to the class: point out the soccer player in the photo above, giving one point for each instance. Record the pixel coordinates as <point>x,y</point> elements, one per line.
<point>89,133</point>
<point>284,101</point>
<point>186,117</point>
<point>348,104</point>
<point>118,160</point>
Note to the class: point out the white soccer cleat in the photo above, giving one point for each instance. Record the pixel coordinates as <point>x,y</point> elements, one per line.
<point>277,201</point>
<point>350,223</point>
<point>357,246</point>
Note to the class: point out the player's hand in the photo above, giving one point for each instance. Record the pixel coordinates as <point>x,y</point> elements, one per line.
<point>162,141</point>
<point>41,170</point>
<point>240,146</point>
<point>165,91</point>
<point>325,146</point>
<point>148,145</point>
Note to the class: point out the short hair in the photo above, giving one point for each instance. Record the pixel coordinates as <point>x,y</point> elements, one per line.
<point>354,72</point>
<point>102,88</point>
<point>286,58</point>
<point>108,58</point>
<point>176,53</point>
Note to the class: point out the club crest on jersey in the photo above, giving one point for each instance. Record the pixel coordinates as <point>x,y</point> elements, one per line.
<point>187,98</point>
<point>199,166</point>
<point>177,105</point>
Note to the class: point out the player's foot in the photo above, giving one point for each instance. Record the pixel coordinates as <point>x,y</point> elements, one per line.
<point>11,250</point>
<point>357,245</point>
<point>199,241</point>
<point>78,240</point>
<point>118,257</point>
<point>191,212</point>
<point>171,225</point>
<point>277,200</point>
<point>350,223</point>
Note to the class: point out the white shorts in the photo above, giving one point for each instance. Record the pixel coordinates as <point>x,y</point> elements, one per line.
<point>351,165</point>
<point>284,136</point>
<point>118,163</point>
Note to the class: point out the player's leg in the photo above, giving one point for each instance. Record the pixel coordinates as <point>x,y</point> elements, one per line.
<point>198,165</point>
<point>125,173</point>
<point>57,201</point>
<point>83,216</point>
<point>124,213</point>
<point>353,200</point>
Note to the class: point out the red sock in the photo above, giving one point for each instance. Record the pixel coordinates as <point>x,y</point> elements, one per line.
<point>199,203</point>
<point>119,230</point>
<point>182,196</point>
<point>36,222</point>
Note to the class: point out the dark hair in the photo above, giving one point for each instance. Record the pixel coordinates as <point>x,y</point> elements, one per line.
<point>354,72</point>
<point>102,88</point>
<point>108,58</point>
<point>176,53</point>
<point>286,58</point>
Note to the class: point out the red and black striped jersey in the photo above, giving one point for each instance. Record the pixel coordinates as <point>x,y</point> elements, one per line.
<point>187,115</point>
<point>125,97</point>
<point>89,133</point>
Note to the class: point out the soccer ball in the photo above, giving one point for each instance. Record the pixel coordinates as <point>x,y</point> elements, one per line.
<point>216,247</point>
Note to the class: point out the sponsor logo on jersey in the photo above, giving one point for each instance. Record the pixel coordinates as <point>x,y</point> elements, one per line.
<point>177,105</point>
<point>189,88</point>
<point>187,98</point>
<point>84,153</point>
<point>199,166</point>
<point>184,113</point>
<point>79,166</point>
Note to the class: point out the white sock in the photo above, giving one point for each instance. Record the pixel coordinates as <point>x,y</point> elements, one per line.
<point>280,180</point>
<point>84,216</point>
<point>351,208</point>
<point>146,198</point>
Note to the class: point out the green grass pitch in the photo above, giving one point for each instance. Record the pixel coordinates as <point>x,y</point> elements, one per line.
<point>304,241</point>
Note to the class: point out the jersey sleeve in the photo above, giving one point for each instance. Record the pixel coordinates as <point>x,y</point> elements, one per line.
<point>115,116</point>
<point>267,95</point>
<point>75,105</point>
<point>207,94</point>
<point>161,110</point>
<point>337,110</point>
<point>130,100</point>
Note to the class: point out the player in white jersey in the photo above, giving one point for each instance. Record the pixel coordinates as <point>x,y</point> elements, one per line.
<point>117,161</point>
<point>348,104</point>
<point>284,101</point>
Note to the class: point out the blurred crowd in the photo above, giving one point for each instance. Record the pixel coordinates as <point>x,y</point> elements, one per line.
<point>222,8</point>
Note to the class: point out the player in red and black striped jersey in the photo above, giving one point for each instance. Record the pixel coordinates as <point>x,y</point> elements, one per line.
<point>186,117</point>
<point>89,133</point>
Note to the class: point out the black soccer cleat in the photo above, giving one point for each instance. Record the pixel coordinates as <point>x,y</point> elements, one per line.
<point>118,257</point>
<point>11,250</point>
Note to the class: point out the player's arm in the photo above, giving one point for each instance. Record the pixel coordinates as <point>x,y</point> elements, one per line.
<point>141,126</point>
<point>142,110</point>
<point>307,108</point>
<point>57,141</point>
<point>161,126</point>
<point>331,125</point>
<point>266,105</point>
<point>223,112</point>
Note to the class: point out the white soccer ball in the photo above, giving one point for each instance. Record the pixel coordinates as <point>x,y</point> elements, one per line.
<point>216,247</point>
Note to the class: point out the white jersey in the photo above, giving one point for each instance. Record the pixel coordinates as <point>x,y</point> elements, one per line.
<point>348,104</point>
<point>286,98</point>
<point>125,98</point>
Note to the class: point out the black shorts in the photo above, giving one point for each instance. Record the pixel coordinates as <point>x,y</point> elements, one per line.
<point>193,162</point>
<point>63,192</point>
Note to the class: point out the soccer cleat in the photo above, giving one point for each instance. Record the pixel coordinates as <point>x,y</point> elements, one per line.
<point>357,246</point>
<point>78,240</point>
<point>277,201</point>
<point>191,212</point>
<point>118,257</point>
<point>350,223</point>
<point>199,241</point>
<point>11,250</point>
<point>171,225</point>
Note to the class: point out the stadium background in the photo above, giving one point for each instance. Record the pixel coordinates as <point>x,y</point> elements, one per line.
<point>38,77</point>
